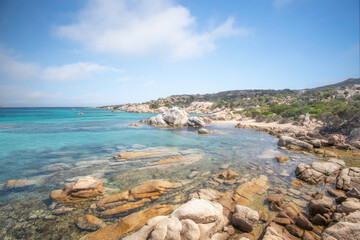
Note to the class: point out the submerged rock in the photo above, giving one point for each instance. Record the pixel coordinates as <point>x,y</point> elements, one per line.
<point>282,158</point>
<point>205,131</point>
<point>89,223</point>
<point>134,198</point>
<point>246,192</point>
<point>228,174</point>
<point>13,184</point>
<point>275,201</point>
<point>84,188</point>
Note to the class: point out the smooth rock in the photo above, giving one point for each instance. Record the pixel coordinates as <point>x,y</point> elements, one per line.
<point>346,228</point>
<point>244,218</point>
<point>285,141</point>
<point>85,187</point>
<point>228,174</point>
<point>282,158</point>
<point>89,223</point>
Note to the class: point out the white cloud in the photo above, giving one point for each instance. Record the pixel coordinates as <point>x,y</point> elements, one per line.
<point>143,27</point>
<point>17,70</point>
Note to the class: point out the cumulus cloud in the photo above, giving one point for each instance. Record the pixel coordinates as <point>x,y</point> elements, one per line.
<point>140,27</point>
<point>18,70</point>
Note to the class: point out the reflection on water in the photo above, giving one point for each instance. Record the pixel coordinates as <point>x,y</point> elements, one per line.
<point>56,150</point>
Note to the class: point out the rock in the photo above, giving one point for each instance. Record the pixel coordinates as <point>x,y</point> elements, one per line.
<point>133,125</point>
<point>294,230</point>
<point>323,205</point>
<point>196,219</point>
<point>85,187</point>
<point>282,221</point>
<point>222,116</point>
<point>316,143</point>
<point>125,207</point>
<point>335,193</point>
<point>354,138</point>
<point>319,151</point>
<point>113,200</point>
<point>330,154</point>
<point>196,122</point>
<point>175,117</point>
<point>348,178</point>
<point>302,222</point>
<point>277,232</point>
<point>353,193</point>
<point>318,172</point>
<point>12,184</point>
<point>199,107</point>
<point>129,155</point>
<point>244,218</point>
<point>193,174</point>
<point>161,109</point>
<point>224,166</point>
<point>244,236</point>
<point>246,192</point>
<point>346,228</point>
<point>228,174</point>
<point>129,223</point>
<point>205,131</point>
<point>157,121</point>
<point>89,223</point>
<point>62,210</point>
<point>348,206</point>
<point>285,141</point>
<point>336,140</point>
<point>151,188</point>
<point>138,108</point>
<point>275,201</point>
<point>225,199</point>
<point>282,158</point>
<point>296,183</point>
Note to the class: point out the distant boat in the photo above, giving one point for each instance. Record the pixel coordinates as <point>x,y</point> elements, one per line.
<point>73,109</point>
<point>80,112</point>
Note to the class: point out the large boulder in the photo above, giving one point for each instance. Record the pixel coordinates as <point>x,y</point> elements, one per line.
<point>85,187</point>
<point>347,228</point>
<point>196,219</point>
<point>196,122</point>
<point>176,117</point>
<point>354,137</point>
<point>318,172</point>
<point>199,107</point>
<point>156,121</point>
<point>244,218</point>
<point>348,178</point>
<point>288,142</point>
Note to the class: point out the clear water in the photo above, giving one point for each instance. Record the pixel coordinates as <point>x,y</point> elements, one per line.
<point>34,138</point>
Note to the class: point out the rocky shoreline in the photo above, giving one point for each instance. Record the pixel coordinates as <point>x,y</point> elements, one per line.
<point>226,213</point>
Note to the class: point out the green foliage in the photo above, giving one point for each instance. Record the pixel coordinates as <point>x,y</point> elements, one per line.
<point>154,105</point>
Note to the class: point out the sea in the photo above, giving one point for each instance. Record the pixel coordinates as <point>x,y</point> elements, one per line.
<point>53,146</point>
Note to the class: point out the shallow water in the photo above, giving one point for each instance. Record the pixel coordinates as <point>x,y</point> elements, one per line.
<point>35,139</point>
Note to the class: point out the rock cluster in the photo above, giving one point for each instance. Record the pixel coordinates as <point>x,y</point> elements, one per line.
<point>174,117</point>
<point>348,178</point>
<point>222,116</point>
<point>318,172</point>
<point>289,224</point>
<point>134,198</point>
<point>85,187</point>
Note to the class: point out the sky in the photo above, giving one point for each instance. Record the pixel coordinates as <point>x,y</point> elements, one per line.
<point>102,52</point>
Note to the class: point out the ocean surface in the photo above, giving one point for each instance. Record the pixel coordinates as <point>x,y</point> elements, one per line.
<point>34,139</point>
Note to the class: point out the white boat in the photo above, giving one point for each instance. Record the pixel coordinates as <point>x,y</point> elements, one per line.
<point>80,112</point>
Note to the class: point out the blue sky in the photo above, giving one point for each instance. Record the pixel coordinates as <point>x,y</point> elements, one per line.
<point>99,52</point>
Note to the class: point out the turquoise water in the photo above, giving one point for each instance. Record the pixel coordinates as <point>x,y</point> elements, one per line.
<point>33,139</point>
